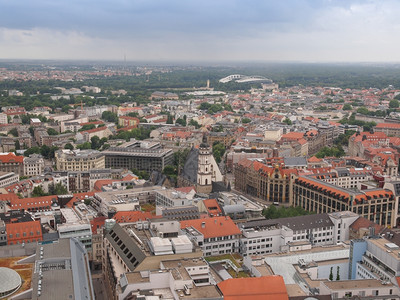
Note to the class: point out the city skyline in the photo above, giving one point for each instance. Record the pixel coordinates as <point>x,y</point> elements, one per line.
<point>311,31</point>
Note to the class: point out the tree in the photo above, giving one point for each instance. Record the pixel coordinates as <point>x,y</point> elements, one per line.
<point>170,120</point>
<point>38,192</point>
<point>52,131</point>
<point>95,140</point>
<point>219,128</point>
<point>337,273</point>
<point>45,151</point>
<point>287,121</point>
<point>336,151</point>
<point>347,107</point>
<point>331,274</point>
<point>87,127</point>
<point>32,150</point>
<point>218,151</point>
<point>363,110</point>
<point>394,103</point>
<point>58,189</point>
<point>84,146</point>
<point>194,123</point>
<point>109,116</point>
<point>170,171</point>
<point>69,146</point>
<point>246,120</point>
<point>180,157</point>
<point>13,132</point>
<point>17,145</point>
<point>180,121</point>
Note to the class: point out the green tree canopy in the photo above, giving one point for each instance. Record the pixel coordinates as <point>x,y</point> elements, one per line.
<point>394,103</point>
<point>69,146</point>
<point>109,116</point>
<point>218,151</point>
<point>347,106</point>
<point>52,131</point>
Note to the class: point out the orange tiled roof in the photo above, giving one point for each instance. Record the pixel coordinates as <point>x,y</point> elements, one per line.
<point>314,159</point>
<point>362,222</point>
<point>186,189</point>
<point>302,141</point>
<point>100,183</point>
<point>95,129</point>
<point>214,227</point>
<point>254,288</point>
<point>127,128</point>
<point>79,197</point>
<point>11,158</point>
<point>129,177</point>
<point>23,227</point>
<point>369,136</point>
<point>293,135</point>
<point>371,194</point>
<point>133,216</point>
<point>212,207</point>
<point>97,223</point>
<point>32,203</point>
<point>394,140</point>
<point>388,125</point>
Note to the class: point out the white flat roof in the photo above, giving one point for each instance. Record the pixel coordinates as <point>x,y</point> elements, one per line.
<point>181,240</point>
<point>283,265</point>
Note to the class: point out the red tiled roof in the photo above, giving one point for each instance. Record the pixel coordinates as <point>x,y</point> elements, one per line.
<point>100,183</point>
<point>79,197</point>
<point>362,222</point>
<point>293,135</point>
<point>11,158</point>
<point>97,223</point>
<point>32,203</point>
<point>302,141</point>
<point>24,230</point>
<point>314,159</point>
<point>394,141</point>
<point>95,129</point>
<point>127,128</point>
<point>254,288</point>
<point>133,216</point>
<point>213,207</point>
<point>129,177</point>
<point>388,125</point>
<point>369,136</point>
<point>186,189</point>
<point>213,227</point>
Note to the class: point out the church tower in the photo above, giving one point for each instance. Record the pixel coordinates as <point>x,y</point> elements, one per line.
<point>205,168</point>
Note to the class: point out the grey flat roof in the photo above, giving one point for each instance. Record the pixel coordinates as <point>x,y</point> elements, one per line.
<point>295,161</point>
<point>295,223</point>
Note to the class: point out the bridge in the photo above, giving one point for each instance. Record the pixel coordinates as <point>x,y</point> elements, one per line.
<point>244,78</point>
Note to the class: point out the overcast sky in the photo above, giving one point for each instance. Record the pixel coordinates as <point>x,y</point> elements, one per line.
<point>201,30</point>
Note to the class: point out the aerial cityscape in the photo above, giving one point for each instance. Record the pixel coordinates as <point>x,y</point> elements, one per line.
<point>199,150</point>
